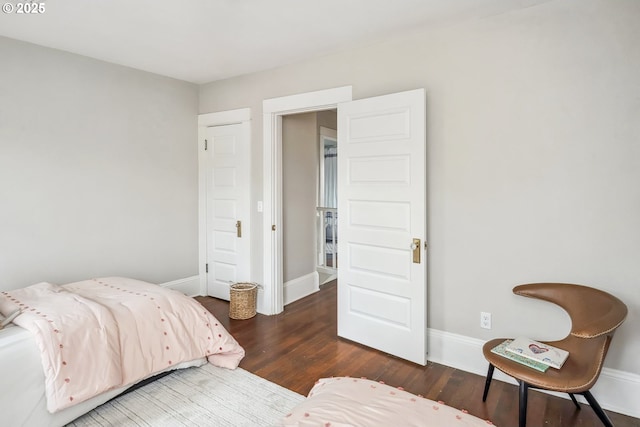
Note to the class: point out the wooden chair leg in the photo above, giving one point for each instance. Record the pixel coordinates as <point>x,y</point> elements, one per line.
<point>488,382</point>
<point>575,402</point>
<point>597,409</point>
<point>522,417</point>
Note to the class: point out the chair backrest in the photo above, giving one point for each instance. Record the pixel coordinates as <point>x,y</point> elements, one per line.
<point>593,312</point>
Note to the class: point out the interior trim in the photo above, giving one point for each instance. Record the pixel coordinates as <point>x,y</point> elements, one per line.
<point>273,110</point>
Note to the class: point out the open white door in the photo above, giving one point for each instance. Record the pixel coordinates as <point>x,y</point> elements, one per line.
<point>227,181</point>
<point>382,223</point>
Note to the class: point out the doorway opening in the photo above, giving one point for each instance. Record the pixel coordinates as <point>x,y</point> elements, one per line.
<point>382,184</point>
<point>274,111</point>
<point>309,202</point>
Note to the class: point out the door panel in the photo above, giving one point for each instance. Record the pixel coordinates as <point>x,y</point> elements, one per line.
<point>228,256</point>
<point>380,170</point>
<point>382,182</point>
<point>380,307</point>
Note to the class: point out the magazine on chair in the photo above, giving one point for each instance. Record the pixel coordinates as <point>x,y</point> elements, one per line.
<point>534,350</point>
<point>500,349</point>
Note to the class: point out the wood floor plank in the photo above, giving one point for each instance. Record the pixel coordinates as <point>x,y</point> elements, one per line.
<point>300,346</point>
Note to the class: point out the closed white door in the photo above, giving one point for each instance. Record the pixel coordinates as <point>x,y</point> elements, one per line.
<point>228,227</point>
<point>382,222</point>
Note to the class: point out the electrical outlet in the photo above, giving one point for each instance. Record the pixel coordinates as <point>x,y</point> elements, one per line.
<point>485,320</point>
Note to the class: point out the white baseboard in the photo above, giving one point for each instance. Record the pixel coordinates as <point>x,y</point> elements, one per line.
<point>301,287</point>
<point>189,286</point>
<point>615,390</point>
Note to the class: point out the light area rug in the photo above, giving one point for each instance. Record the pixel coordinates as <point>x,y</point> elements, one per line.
<point>202,396</point>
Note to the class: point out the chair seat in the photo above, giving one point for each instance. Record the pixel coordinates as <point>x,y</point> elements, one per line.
<point>578,374</point>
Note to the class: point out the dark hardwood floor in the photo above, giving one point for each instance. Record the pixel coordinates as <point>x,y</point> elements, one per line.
<point>300,345</point>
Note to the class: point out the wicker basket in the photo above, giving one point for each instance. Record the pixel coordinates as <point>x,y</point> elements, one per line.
<point>242,301</point>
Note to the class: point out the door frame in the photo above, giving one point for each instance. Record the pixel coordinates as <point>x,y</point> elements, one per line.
<point>273,109</point>
<point>229,117</point>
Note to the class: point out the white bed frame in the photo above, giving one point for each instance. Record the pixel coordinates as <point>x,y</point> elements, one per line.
<point>22,398</point>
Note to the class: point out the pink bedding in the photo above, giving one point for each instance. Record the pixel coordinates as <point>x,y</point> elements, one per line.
<point>101,334</point>
<point>349,402</point>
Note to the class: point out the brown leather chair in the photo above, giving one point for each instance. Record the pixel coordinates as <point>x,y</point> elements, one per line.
<point>595,315</point>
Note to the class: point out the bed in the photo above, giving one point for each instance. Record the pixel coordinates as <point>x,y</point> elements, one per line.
<point>75,346</point>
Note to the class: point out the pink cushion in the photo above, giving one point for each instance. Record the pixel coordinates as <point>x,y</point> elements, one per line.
<point>344,401</point>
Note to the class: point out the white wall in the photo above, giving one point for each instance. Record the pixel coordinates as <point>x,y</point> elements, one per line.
<point>533,152</point>
<point>98,170</point>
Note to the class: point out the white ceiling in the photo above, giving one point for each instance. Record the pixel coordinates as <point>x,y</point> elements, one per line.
<point>205,40</point>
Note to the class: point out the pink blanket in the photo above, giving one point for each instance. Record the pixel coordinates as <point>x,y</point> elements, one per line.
<point>101,334</point>
<point>348,402</point>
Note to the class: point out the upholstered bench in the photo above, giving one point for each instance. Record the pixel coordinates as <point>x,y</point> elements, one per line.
<point>344,401</point>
